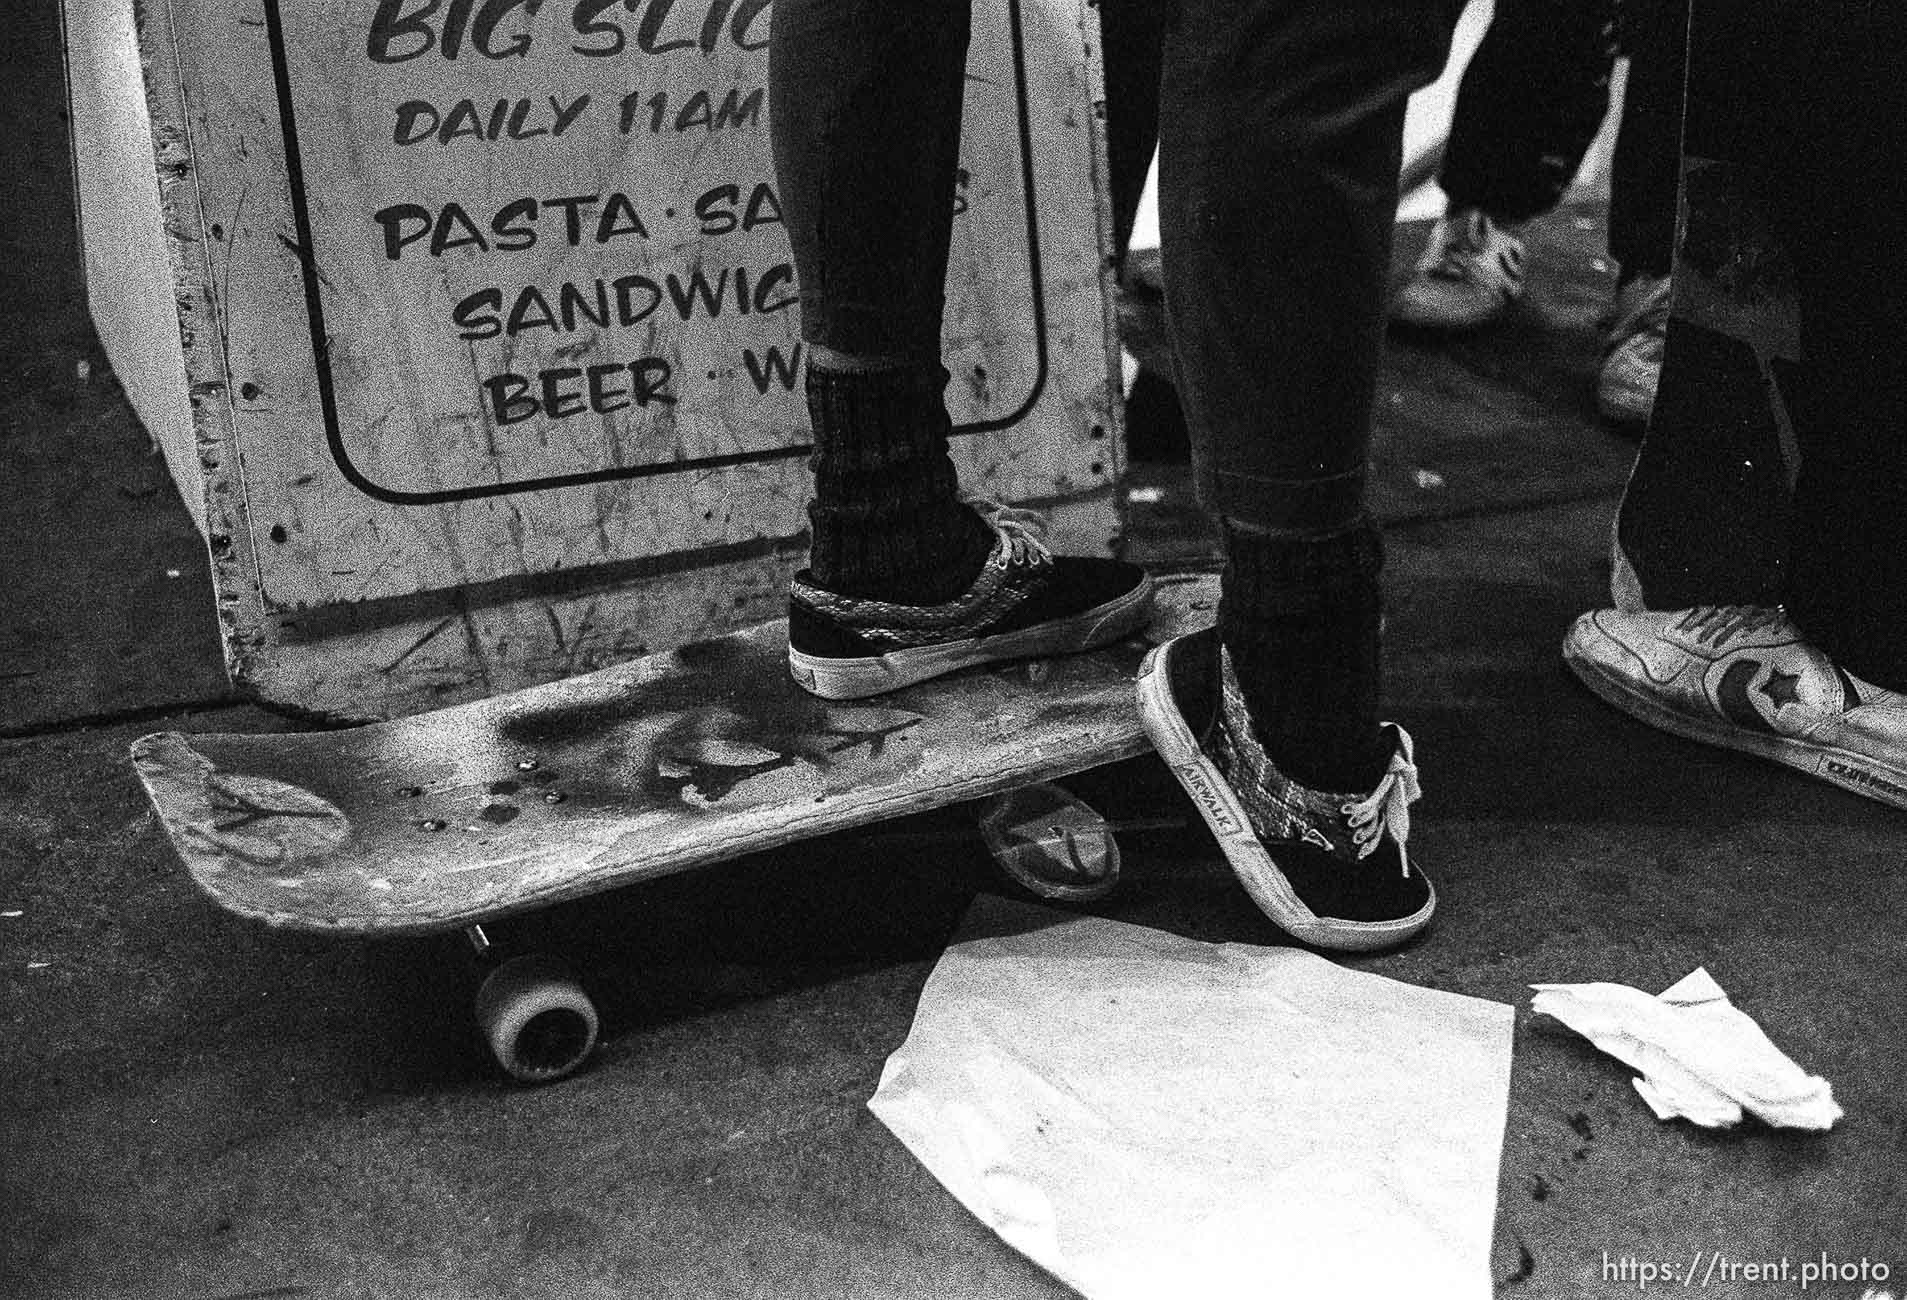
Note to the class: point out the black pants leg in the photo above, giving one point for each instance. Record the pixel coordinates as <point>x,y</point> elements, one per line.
<point>1283,127</point>
<point>865,100</point>
<point>1281,130</point>
<point>1535,95</point>
<point>1281,136</point>
<point>1530,104</point>
<point>1130,36</point>
<point>1648,161</point>
<point>1833,81</point>
<point>1806,99</point>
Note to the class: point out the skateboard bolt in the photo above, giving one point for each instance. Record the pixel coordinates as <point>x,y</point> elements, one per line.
<point>555,796</point>
<point>526,765</point>
<point>433,825</point>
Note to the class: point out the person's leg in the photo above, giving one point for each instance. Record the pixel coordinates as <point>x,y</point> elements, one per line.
<point>865,101</point>
<point>1530,103</point>
<point>1704,519</point>
<point>1803,102</point>
<point>1282,127</point>
<point>1648,161</point>
<point>1281,133</point>
<point>1642,202</point>
<point>1840,221</point>
<point>1796,107</point>
<point>906,580</point>
<point>1130,34</point>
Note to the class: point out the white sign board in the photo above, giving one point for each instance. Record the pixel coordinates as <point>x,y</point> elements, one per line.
<point>481,295</point>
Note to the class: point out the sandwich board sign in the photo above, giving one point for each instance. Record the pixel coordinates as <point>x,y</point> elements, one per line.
<point>471,330</point>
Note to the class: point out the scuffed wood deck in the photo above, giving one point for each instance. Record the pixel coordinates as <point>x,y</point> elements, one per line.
<point>656,766</point>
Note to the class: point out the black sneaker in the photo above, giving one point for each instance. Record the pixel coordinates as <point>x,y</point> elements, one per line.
<point>1026,602</point>
<point>1331,870</point>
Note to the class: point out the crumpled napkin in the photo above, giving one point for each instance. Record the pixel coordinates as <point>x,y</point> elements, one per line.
<point>1700,1057</point>
<point>1150,1117</point>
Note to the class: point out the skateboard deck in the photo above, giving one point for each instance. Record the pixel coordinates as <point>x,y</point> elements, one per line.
<point>675,761</point>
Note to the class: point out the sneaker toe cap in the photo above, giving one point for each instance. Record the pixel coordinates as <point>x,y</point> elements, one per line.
<point>1609,635</point>
<point>1373,891</point>
<point>1444,305</point>
<point>1626,393</point>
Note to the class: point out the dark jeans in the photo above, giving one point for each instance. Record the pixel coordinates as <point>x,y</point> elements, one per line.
<point>1805,101</point>
<point>1132,43</point>
<point>1281,131</point>
<point>1535,95</point>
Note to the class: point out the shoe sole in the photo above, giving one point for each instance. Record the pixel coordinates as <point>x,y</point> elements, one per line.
<point>1429,327</point>
<point>1850,771</point>
<point>1625,417</point>
<point>1225,814</point>
<point>1411,319</point>
<point>855,679</point>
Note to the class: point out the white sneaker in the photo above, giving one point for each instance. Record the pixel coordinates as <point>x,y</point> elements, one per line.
<point>1471,273</point>
<point>1742,676</point>
<point>1632,351</point>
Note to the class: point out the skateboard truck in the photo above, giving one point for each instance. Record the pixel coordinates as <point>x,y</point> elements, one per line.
<point>1051,842</point>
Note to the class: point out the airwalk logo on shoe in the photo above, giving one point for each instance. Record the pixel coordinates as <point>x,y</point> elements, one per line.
<point>1217,815</point>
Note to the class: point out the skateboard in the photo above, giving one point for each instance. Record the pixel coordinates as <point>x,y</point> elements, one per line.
<point>448,820</point>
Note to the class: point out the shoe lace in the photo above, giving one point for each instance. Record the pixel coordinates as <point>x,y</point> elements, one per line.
<point>1024,530</point>
<point>1387,808</point>
<point>1466,239</point>
<point>1714,624</point>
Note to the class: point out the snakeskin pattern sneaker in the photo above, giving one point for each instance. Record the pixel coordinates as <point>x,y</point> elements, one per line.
<point>1025,603</point>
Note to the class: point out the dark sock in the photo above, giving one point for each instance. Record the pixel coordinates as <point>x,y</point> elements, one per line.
<point>887,516</point>
<point>1300,618</point>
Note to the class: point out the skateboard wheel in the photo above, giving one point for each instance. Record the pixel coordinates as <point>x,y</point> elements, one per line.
<point>1052,843</point>
<point>539,1023</point>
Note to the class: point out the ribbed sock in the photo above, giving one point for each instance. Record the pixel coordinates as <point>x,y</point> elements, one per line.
<point>887,516</point>
<point>1300,616</point>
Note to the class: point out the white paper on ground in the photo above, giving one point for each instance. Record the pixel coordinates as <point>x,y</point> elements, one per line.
<point>1701,1057</point>
<point>1145,1115</point>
